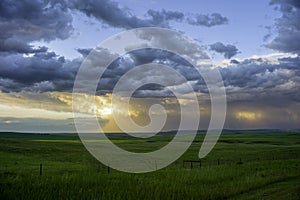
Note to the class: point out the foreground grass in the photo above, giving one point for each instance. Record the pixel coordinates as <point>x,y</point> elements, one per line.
<point>252,166</point>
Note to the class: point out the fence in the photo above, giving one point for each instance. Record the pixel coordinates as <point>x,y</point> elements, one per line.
<point>202,163</point>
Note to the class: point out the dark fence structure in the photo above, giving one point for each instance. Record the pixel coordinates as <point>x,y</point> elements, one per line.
<point>202,163</point>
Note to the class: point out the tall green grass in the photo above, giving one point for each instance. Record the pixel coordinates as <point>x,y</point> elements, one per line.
<point>269,169</point>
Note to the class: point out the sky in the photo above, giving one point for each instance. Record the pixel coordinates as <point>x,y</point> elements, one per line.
<point>254,45</point>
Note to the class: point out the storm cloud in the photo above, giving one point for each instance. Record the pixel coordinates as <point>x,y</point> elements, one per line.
<point>287,27</point>
<point>227,50</point>
<point>25,67</point>
<point>262,80</point>
<point>112,14</point>
<point>43,71</point>
<point>22,22</point>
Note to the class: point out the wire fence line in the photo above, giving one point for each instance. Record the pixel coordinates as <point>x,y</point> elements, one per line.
<point>216,162</point>
<point>198,164</point>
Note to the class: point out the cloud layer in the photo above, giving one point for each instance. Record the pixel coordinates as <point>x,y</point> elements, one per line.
<point>259,82</point>
<point>29,68</point>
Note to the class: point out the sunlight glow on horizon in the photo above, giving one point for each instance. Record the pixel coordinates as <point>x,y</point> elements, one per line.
<point>246,115</point>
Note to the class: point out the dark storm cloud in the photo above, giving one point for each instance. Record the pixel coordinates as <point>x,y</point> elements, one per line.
<point>41,72</point>
<point>227,50</point>
<point>26,67</point>
<point>113,14</point>
<point>32,20</point>
<point>288,27</point>
<point>9,85</point>
<point>248,80</point>
<point>26,21</point>
<point>254,73</point>
<point>17,46</point>
<point>257,79</point>
<point>144,56</point>
<point>110,13</point>
<point>22,22</point>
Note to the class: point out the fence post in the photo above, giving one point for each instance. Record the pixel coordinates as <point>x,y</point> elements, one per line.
<point>218,162</point>
<point>200,163</point>
<point>108,169</point>
<point>41,169</point>
<point>191,165</point>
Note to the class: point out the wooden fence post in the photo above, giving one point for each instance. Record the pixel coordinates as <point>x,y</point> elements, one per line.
<point>41,169</point>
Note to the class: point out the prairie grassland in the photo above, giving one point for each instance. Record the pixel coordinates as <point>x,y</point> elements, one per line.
<point>251,166</point>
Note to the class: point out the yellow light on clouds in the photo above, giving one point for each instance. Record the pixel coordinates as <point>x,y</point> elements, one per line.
<point>23,112</point>
<point>246,115</point>
<point>104,111</point>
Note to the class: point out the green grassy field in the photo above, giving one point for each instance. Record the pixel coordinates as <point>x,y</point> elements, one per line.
<point>251,166</point>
